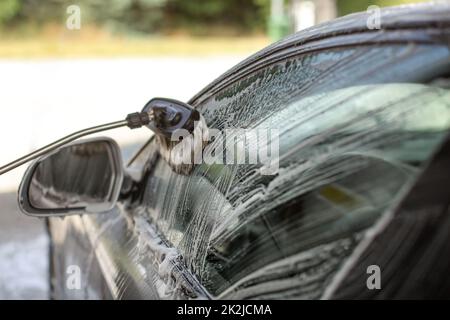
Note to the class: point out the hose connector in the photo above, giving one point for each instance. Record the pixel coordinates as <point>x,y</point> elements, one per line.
<point>138,119</point>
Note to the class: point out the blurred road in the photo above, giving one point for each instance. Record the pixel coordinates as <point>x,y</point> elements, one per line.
<point>43,100</point>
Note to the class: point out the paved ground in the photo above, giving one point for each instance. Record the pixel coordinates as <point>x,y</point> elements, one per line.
<point>24,248</point>
<point>23,253</point>
<point>43,100</point>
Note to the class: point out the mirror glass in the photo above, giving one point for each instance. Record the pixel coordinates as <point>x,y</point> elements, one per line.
<point>79,176</point>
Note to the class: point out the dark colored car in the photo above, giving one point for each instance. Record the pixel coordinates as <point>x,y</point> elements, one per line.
<point>357,208</point>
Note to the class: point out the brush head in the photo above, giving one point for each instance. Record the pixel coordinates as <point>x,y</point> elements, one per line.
<point>181,133</point>
<point>170,115</point>
<point>184,153</point>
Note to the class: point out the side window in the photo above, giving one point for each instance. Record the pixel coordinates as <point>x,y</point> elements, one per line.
<point>339,171</point>
<point>352,135</point>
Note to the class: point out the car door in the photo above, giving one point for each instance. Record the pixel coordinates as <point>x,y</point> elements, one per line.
<point>358,114</point>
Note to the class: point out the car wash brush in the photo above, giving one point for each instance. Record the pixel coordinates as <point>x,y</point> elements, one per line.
<point>181,132</point>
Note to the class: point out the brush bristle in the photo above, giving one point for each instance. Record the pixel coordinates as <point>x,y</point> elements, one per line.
<point>183,155</point>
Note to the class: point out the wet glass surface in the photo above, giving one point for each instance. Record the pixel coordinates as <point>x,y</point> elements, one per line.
<point>356,126</point>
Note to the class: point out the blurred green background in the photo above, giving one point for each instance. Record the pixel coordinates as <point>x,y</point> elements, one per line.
<point>37,27</point>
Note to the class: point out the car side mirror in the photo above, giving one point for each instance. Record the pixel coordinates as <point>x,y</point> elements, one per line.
<point>82,177</point>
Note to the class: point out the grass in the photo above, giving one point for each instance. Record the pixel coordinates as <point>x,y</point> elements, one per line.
<point>91,43</point>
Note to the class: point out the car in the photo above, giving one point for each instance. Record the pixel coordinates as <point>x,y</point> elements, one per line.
<point>356,206</point>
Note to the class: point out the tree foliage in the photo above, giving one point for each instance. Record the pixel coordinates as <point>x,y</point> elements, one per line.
<point>153,16</point>
<point>146,16</point>
<point>8,10</point>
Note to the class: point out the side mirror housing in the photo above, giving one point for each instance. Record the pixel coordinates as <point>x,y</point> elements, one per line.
<point>82,177</point>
